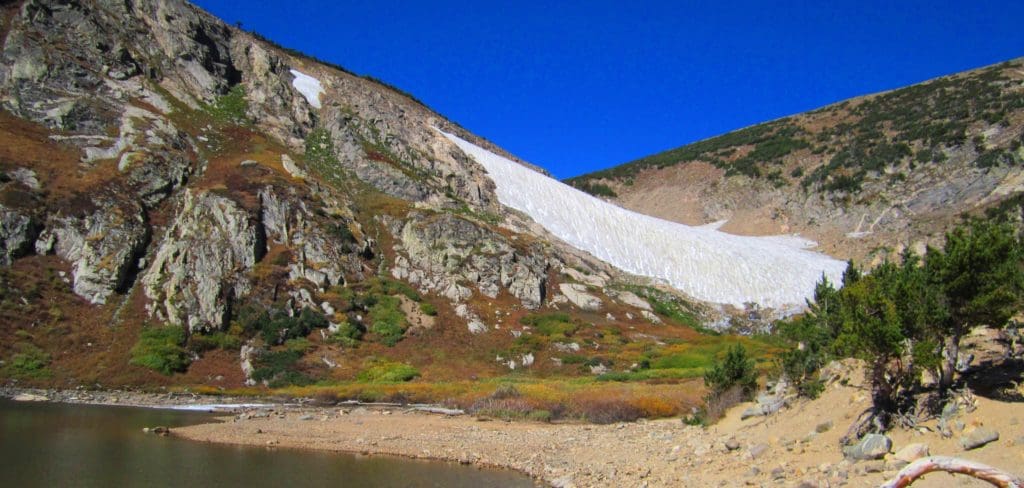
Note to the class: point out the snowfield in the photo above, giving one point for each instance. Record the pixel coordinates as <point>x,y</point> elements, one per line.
<point>308,86</point>
<point>703,262</point>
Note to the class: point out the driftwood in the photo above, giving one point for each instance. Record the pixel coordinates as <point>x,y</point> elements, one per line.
<point>922,466</point>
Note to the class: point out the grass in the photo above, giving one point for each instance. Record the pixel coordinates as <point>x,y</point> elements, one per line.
<point>230,108</point>
<point>388,372</point>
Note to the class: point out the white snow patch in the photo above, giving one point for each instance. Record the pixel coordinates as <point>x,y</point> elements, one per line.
<point>709,265</point>
<point>308,86</point>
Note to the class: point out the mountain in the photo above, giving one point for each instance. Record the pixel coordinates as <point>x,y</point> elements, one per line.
<point>865,178</point>
<point>183,202</point>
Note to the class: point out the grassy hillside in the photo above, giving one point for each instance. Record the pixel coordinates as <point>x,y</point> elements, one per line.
<point>839,147</point>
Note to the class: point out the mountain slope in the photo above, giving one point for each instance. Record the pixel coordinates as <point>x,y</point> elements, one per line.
<point>706,264</point>
<point>871,174</point>
<point>182,202</point>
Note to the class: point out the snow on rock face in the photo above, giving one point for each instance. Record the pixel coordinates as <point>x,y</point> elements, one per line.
<point>308,86</point>
<point>707,264</point>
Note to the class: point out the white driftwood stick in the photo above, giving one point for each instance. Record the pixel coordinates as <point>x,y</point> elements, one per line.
<point>922,466</point>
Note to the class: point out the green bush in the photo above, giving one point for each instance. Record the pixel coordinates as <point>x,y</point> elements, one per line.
<point>29,362</point>
<point>387,319</point>
<point>160,349</point>
<point>217,340</point>
<point>278,327</point>
<point>736,370</point>
<point>348,334</point>
<point>388,372</point>
<point>597,189</point>
<point>278,368</point>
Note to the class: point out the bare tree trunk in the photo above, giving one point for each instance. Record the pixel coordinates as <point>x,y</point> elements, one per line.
<point>922,466</point>
<point>952,354</point>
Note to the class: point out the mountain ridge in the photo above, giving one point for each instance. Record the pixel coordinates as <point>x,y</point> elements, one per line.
<point>857,176</point>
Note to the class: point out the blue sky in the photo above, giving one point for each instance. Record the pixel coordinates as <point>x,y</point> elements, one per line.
<point>579,86</point>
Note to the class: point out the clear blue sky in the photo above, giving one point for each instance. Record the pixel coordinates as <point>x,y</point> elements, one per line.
<point>576,86</point>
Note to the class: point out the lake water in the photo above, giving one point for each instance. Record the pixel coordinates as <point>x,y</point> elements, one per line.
<point>60,445</point>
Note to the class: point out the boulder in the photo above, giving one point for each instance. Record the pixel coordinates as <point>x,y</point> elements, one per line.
<point>757,450</point>
<point>912,452</point>
<point>978,437</point>
<point>871,446</point>
<point>631,299</point>
<point>293,169</point>
<point>578,296</point>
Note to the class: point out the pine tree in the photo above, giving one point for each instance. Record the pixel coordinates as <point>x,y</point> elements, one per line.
<point>981,280</point>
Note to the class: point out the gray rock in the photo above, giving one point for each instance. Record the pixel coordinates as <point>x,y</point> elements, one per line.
<point>978,437</point>
<point>323,251</point>
<point>912,452</point>
<point>103,247</point>
<point>18,232</point>
<point>754,411</point>
<point>578,296</point>
<point>632,300</point>
<point>874,466</point>
<point>823,427</point>
<point>872,446</point>
<point>757,450</point>
<point>443,251</point>
<point>292,168</point>
<point>201,265</point>
<point>732,444</point>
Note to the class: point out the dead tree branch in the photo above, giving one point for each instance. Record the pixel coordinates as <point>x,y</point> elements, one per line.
<point>922,466</point>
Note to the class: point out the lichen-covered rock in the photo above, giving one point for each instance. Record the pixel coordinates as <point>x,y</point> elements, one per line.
<point>201,265</point>
<point>18,232</point>
<point>446,253</point>
<point>103,247</point>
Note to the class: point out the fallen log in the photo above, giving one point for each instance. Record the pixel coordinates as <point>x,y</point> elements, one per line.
<point>922,466</point>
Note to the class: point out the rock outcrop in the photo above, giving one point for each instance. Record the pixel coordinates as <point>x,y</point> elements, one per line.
<point>324,250</point>
<point>18,231</point>
<point>447,254</point>
<point>200,267</point>
<point>102,246</point>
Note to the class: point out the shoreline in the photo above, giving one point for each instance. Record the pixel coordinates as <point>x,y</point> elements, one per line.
<point>128,398</point>
<point>798,446</point>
